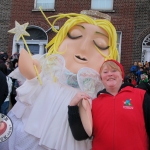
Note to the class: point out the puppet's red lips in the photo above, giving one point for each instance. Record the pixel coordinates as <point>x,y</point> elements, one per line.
<point>81,59</point>
<point>3,127</point>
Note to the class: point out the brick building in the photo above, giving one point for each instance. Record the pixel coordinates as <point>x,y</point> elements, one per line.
<point>5,16</point>
<point>130,17</point>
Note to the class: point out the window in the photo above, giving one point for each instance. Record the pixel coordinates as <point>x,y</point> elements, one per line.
<point>34,48</point>
<point>104,5</point>
<point>36,41</point>
<point>45,4</point>
<point>119,38</point>
<point>146,49</point>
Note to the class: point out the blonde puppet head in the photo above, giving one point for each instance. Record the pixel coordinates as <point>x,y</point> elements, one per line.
<point>75,19</point>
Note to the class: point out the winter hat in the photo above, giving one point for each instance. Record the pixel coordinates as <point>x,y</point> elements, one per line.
<point>118,64</point>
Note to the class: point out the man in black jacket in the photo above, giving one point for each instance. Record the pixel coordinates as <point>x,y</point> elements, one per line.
<point>3,89</point>
<point>3,56</point>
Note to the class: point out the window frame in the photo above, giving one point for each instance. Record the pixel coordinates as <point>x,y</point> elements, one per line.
<point>119,42</point>
<point>103,10</point>
<point>37,9</point>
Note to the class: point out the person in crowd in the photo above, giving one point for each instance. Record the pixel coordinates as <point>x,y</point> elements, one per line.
<point>17,80</point>
<point>9,67</point>
<point>138,74</point>
<point>120,113</point>
<point>3,68</point>
<point>146,68</point>
<point>3,56</point>
<point>127,78</point>
<point>140,64</point>
<point>3,88</point>
<point>5,105</point>
<point>8,59</point>
<point>15,63</point>
<point>13,93</point>
<point>133,80</point>
<point>14,56</point>
<point>149,64</point>
<point>144,78</point>
<point>146,63</point>
<point>134,68</point>
<point>14,59</point>
<point>148,74</point>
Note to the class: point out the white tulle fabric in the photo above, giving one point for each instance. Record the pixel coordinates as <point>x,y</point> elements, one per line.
<point>17,75</point>
<point>40,114</point>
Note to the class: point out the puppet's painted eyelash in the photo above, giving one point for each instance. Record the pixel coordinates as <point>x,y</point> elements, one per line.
<point>71,37</point>
<point>101,48</point>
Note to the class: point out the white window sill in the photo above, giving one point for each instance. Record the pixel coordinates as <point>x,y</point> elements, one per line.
<point>104,10</point>
<point>35,9</point>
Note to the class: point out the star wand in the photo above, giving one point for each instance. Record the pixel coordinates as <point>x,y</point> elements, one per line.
<point>20,32</point>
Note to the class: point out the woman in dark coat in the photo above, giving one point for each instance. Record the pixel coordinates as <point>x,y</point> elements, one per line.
<point>3,88</point>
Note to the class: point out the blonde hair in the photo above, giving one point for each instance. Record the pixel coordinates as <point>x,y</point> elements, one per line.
<point>75,19</point>
<point>110,64</point>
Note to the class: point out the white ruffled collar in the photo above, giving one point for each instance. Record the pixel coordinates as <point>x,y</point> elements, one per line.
<point>87,79</point>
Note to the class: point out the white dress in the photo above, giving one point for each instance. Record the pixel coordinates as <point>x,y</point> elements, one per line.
<point>40,118</point>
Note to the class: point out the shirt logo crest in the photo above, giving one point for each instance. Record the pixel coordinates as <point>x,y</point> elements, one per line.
<point>127,104</point>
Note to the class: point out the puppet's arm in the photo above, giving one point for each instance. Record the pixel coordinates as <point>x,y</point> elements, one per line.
<point>83,116</point>
<point>86,116</point>
<point>75,123</point>
<point>26,65</point>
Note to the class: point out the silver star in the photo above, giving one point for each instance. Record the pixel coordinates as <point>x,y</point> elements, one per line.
<point>19,30</point>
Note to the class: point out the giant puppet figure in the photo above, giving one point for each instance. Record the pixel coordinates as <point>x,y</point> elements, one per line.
<point>75,55</point>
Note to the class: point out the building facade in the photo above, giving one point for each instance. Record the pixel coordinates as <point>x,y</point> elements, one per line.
<point>5,16</point>
<point>130,17</point>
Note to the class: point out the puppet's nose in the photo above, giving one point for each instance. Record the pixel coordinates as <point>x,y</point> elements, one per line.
<point>85,45</point>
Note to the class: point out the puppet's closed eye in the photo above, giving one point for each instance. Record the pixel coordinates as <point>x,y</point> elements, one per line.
<point>73,37</point>
<point>101,48</point>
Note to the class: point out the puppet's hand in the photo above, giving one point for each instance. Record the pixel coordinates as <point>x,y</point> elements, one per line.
<point>78,97</point>
<point>82,99</point>
<point>26,65</point>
